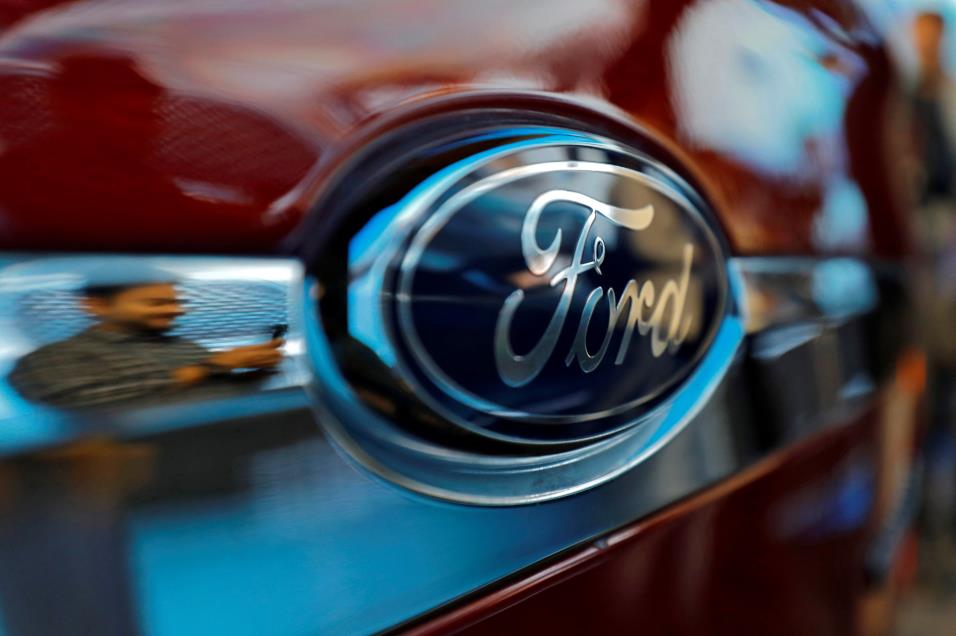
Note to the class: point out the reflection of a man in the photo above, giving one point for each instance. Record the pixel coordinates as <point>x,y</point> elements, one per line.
<point>934,106</point>
<point>129,353</point>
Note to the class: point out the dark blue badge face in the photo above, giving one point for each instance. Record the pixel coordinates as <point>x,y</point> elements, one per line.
<point>550,290</point>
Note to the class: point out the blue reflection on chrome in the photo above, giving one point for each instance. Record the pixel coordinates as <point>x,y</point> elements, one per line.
<point>691,397</point>
<point>372,239</point>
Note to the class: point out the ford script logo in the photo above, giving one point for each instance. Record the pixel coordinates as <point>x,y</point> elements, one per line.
<point>553,291</point>
<point>517,370</point>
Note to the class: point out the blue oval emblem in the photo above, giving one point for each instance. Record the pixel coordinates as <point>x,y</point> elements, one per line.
<point>554,290</point>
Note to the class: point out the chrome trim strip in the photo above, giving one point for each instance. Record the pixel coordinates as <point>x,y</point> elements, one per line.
<point>781,291</point>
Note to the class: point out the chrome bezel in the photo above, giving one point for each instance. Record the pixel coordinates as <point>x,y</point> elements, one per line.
<point>533,470</point>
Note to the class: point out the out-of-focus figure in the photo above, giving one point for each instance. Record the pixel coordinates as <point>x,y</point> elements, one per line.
<point>934,104</point>
<point>129,354</point>
<point>930,104</point>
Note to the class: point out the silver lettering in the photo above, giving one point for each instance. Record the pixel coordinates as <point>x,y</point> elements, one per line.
<point>519,369</point>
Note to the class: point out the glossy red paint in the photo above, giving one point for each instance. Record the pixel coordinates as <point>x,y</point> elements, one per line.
<point>98,155</point>
<point>210,126</point>
<point>780,548</point>
<point>766,552</point>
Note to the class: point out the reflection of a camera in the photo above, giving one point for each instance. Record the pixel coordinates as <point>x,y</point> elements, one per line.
<point>261,356</point>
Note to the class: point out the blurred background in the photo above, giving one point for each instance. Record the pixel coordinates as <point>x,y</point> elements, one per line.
<point>926,46</point>
<point>923,38</point>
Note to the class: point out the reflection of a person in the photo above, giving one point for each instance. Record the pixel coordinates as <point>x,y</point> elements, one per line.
<point>128,353</point>
<point>934,104</point>
<point>930,99</point>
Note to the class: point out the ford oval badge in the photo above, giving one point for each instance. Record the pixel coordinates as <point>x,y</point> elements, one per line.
<point>557,289</point>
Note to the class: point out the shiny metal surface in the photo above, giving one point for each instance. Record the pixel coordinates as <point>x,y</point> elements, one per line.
<point>441,401</point>
<point>208,505</point>
<point>224,303</point>
<point>787,291</point>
